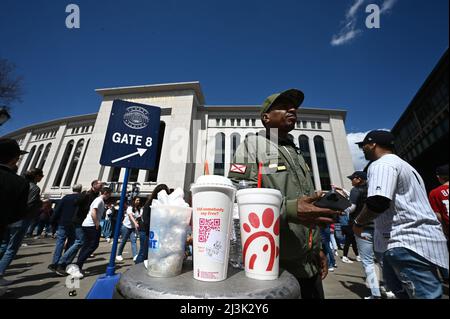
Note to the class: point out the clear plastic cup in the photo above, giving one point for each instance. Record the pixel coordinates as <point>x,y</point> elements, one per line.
<point>167,240</point>
<point>259,212</point>
<point>212,203</point>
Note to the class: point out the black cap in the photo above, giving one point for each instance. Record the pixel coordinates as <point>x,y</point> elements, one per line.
<point>295,96</point>
<point>442,170</point>
<point>379,137</point>
<point>10,147</point>
<point>358,174</point>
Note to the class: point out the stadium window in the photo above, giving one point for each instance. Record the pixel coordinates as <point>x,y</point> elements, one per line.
<point>235,141</point>
<point>134,174</point>
<point>36,157</point>
<point>114,174</point>
<point>74,163</point>
<point>219,158</point>
<point>28,161</point>
<point>63,164</point>
<point>324,173</point>
<point>303,142</point>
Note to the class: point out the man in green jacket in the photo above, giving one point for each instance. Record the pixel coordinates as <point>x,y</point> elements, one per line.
<point>284,168</point>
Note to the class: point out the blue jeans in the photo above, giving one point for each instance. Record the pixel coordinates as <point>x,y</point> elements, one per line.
<point>128,233</point>
<point>4,242</point>
<point>326,240</point>
<point>340,239</point>
<point>43,224</point>
<point>17,232</point>
<point>33,224</point>
<point>107,229</point>
<point>63,233</point>
<point>70,253</point>
<point>410,276</point>
<point>365,249</point>
<point>143,247</point>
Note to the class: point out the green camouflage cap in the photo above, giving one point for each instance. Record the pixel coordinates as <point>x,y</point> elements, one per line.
<point>294,95</point>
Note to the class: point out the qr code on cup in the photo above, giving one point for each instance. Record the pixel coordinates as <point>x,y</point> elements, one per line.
<point>205,227</point>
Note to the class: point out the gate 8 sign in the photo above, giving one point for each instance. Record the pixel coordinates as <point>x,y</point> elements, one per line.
<point>131,139</point>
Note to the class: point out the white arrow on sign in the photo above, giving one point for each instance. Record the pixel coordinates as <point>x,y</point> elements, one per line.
<point>140,152</point>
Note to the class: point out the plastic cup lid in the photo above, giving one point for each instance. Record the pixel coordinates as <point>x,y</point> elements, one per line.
<point>268,191</point>
<point>213,181</point>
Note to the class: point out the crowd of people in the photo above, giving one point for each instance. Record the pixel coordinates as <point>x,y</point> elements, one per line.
<point>391,222</point>
<point>390,219</point>
<point>83,218</point>
<point>77,221</point>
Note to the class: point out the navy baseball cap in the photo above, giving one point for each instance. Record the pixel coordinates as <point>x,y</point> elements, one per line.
<point>442,170</point>
<point>379,137</point>
<point>358,174</point>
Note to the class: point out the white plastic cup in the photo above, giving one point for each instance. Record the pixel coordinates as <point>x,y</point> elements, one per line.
<point>212,203</point>
<point>259,212</point>
<point>167,241</point>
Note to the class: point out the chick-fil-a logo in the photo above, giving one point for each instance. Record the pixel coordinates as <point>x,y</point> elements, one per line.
<point>268,221</point>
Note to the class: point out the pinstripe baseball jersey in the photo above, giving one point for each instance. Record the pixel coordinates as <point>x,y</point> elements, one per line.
<point>410,221</point>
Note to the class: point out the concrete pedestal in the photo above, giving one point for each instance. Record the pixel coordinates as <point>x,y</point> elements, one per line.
<point>136,284</point>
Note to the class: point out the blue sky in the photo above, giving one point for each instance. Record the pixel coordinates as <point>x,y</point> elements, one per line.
<point>240,51</point>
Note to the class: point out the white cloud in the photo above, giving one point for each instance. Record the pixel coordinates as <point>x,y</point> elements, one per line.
<point>344,37</point>
<point>354,8</point>
<point>349,31</point>
<point>359,162</point>
<point>387,5</point>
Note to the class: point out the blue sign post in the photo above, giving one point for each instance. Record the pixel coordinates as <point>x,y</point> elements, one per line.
<point>131,141</point>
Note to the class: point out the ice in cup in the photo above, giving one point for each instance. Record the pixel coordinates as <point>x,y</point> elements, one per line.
<point>168,233</point>
<point>259,213</point>
<point>212,203</point>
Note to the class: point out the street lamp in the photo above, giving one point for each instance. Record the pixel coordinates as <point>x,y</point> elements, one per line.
<point>4,115</point>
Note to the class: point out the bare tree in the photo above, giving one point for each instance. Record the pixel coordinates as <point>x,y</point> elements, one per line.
<point>10,84</point>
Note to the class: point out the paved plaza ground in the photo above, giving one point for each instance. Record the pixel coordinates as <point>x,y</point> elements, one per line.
<point>32,279</point>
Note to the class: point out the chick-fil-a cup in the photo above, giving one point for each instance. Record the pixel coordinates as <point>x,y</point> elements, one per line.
<point>259,213</point>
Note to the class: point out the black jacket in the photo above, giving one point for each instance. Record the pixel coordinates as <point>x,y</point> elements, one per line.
<point>65,209</point>
<point>82,205</point>
<point>34,204</point>
<point>13,197</point>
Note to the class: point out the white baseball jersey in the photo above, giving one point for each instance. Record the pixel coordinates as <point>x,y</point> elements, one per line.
<point>410,221</point>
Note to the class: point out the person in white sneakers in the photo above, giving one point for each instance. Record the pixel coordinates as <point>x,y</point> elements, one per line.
<point>346,227</point>
<point>92,233</point>
<point>107,226</point>
<point>129,227</point>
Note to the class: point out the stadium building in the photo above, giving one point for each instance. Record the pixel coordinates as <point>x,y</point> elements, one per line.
<point>69,149</point>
